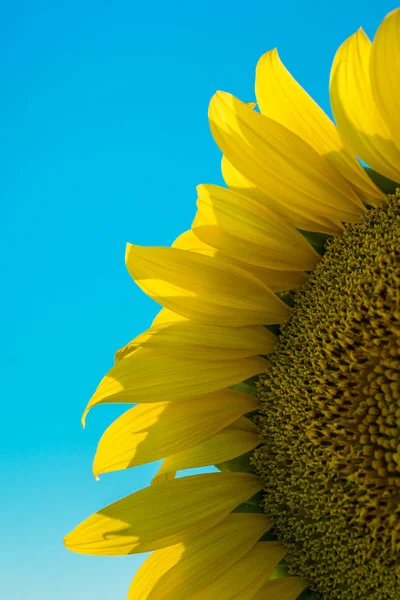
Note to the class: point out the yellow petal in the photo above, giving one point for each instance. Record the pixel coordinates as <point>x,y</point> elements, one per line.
<point>149,432</point>
<point>276,281</point>
<point>385,68</point>
<point>245,577</point>
<point>285,588</point>
<point>203,288</point>
<point>245,424</point>
<point>166,470</point>
<point>237,182</point>
<point>249,231</point>
<point>173,512</point>
<point>224,445</point>
<point>280,162</point>
<point>181,570</point>
<point>163,477</point>
<point>358,119</point>
<point>200,341</point>
<point>167,316</point>
<point>147,376</point>
<point>162,317</point>
<point>188,241</point>
<point>281,98</point>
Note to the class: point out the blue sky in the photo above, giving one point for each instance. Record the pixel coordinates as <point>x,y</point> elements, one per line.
<point>104,138</point>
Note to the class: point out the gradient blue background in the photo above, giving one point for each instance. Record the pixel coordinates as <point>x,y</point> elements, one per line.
<point>104,137</point>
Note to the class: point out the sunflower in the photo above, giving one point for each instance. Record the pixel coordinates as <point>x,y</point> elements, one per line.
<point>275,357</point>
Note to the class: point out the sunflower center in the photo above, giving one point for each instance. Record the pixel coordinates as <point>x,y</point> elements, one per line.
<point>330,453</point>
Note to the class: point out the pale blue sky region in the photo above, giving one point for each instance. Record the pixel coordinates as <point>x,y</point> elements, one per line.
<point>104,138</point>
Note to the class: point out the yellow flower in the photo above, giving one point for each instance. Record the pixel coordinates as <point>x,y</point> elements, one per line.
<point>276,356</point>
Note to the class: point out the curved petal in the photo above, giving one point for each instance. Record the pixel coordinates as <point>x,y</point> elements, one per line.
<point>358,119</point>
<point>203,288</point>
<point>284,588</point>
<point>249,231</point>
<point>280,162</point>
<point>179,571</point>
<point>245,424</point>
<point>247,575</point>
<point>199,341</point>
<point>276,281</point>
<point>173,512</point>
<point>167,316</point>
<point>237,182</point>
<point>281,98</point>
<point>385,68</point>
<point>149,432</point>
<point>188,241</point>
<point>147,376</point>
<point>225,445</point>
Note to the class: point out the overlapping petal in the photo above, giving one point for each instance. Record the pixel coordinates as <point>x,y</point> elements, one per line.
<point>281,98</point>
<point>284,588</point>
<point>385,68</point>
<point>358,118</point>
<point>184,569</point>
<point>247,576</point>
<point>281,163</point>
<point>167,316</point>
<point>237,182</point>
<point>275,280</point>
<point>199,341</point>
<point>147,376</point>
<point>225,445</point>
<point>149,432</point>
<point>155,517</point>
<point>203,288</point>
<point>249,231</point>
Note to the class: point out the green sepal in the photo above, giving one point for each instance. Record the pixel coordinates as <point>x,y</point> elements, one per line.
<point>240,464</point>
<point>269,537</point>
<point>275,329</point>
<point>317,240</point>
<point>252,381</point>
<point>282,570</point>
<point>253,505</point>
<point>255,500</point>
<point>253,415</point>
<point>245,507</point>
<point>245,388</point>
<point>386,185</point>
<point>286,297</point>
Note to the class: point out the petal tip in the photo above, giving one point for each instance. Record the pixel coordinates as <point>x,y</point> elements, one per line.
<point>96,470</point>
<point>128,248</point>
<point>83,418</point>
<point>68,541</point>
